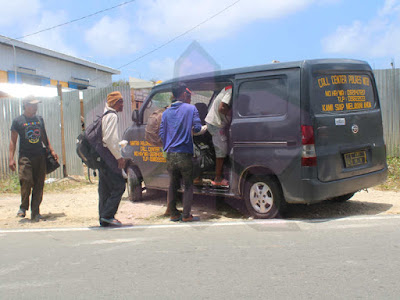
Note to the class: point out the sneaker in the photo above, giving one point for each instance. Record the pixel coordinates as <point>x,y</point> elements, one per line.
<point>175,218</point>
<point>191,218</point>
<point>21,213</point>
<point>110,222</point>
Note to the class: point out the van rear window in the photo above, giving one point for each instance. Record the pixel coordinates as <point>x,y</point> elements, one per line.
<point>341,92</point>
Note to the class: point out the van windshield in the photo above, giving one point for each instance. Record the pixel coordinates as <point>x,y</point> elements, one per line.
<point>342,92</point>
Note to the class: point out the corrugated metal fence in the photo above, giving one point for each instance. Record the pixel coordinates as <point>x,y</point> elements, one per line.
<point>387,82</point>
<point>11,108</point>
<point>93,100</point>
<point>72,128</point>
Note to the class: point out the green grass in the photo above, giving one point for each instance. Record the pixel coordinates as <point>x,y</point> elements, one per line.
<point>11,185</point>
<point>393,180</point>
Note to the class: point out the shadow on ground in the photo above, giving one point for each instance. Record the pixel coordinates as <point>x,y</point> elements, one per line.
<point>207,207</point>
<point>46,217</point>
<point>214,208</point>
<point>331,209</point>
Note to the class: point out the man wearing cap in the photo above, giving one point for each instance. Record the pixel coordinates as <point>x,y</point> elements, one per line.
<point>111,181</point>
<point>176,135</point>
<point>32,157</point>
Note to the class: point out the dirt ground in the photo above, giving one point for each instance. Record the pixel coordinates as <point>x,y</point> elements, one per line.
<point>78,208</point>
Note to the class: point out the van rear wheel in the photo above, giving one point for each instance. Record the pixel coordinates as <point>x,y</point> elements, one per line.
<point>263,197</point>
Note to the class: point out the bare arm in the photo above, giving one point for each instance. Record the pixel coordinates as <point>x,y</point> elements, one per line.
<point>52,150</point>
<point>13,145</point>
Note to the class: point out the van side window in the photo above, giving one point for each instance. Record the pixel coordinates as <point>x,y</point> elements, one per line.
<point>200,99</point>
<point>266,97</point>
<point>159,100</point>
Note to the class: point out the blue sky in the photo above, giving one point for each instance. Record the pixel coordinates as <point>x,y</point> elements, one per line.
<point>251,32</point>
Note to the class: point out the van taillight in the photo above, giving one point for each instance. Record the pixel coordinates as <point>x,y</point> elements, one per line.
<point>308,156</point>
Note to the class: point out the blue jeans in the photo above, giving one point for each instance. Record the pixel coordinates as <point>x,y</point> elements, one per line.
<point>180,166</point>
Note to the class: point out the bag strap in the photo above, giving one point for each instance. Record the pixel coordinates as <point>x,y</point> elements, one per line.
<point>46,140</point>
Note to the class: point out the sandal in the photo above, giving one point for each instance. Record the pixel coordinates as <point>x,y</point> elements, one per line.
<point>21,213</point>
<point>222,183</point>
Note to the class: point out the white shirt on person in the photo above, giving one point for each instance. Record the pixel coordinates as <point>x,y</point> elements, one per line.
<point>214,117</point>
<point>109,128</point>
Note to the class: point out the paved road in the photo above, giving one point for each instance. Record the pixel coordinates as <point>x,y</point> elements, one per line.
<point>276,259</point>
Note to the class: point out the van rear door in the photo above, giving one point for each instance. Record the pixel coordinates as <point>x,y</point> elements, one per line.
<point>347,123</point>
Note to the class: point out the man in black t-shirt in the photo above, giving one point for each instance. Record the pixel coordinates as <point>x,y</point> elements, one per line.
<point>32,157</point>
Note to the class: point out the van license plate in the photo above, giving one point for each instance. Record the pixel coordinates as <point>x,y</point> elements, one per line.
<point>356,158</point>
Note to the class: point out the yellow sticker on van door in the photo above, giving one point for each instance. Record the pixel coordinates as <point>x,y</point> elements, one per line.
<point>148,152</point>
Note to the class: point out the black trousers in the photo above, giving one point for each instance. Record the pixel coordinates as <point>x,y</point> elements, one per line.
<point>180,166</point>
<point>111,189</point>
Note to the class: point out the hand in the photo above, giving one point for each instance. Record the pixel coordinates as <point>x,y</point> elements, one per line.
<point>12,165</point>
<point>121,163</point>
<point>54,154</point>
<point>202,130</point>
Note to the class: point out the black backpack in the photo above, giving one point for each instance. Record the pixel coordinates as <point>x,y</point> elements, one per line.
<point>85,143</point>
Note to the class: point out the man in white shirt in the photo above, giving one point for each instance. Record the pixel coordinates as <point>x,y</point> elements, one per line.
<point>111,181</point>
<point>218,119</point>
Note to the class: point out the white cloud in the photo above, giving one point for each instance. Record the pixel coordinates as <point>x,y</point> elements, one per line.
<point>164,68</point>
<point>377,38</point>
<point>52,39</point>
<point>15,12</point>
<point>165,19</point>
<point>389,7</point>
<point>112,37</point>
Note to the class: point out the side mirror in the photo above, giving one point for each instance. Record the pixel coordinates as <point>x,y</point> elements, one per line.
<point>135,116</point>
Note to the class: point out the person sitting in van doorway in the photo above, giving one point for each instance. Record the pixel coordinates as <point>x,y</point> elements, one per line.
<point>176,135</point>
<point>218,120</point>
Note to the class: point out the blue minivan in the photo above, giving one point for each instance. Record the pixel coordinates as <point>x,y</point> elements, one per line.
<point>301,132</point>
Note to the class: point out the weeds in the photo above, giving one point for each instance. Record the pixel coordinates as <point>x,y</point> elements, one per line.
<point>393,179</point>
<point>11,185</point>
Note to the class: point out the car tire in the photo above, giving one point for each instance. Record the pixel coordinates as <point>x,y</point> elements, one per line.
<point>263,197</point>
<point>134,186</point>
<point>343,198</point>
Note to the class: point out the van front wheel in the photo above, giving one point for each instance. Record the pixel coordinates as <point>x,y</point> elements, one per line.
<point>263,197</point>
<point>134,186</point>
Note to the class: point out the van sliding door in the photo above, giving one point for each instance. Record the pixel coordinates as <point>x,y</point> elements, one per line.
<point>265,130</point>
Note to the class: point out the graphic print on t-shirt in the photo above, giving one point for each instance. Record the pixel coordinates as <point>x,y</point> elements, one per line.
<point>32,131</point>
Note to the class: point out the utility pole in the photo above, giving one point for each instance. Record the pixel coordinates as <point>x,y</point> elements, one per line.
<point>63,151</point>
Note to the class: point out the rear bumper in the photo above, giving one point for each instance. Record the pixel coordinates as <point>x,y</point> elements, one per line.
<point>314,190</point>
